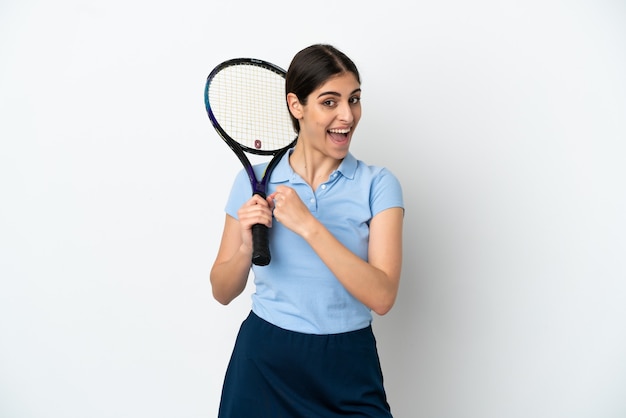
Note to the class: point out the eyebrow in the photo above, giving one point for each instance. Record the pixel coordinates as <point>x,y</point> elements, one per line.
<point>334,93</point>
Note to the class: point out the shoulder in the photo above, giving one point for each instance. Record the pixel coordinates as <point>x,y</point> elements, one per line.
<point>385,190</point>
<point>375,174</point>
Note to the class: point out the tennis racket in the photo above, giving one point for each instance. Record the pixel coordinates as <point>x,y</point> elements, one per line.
<point>245,101</point>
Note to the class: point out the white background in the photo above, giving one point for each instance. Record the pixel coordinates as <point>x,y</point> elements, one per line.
<point>504,120</point>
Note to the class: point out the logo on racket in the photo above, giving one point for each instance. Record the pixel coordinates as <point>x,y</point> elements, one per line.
<point>257,144</point>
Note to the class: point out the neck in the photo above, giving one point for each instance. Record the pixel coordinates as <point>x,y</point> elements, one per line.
<point>312,166</point>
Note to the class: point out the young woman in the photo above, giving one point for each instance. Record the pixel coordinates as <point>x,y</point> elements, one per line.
<point>307,348</point>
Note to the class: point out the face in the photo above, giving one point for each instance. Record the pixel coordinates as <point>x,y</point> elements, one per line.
<point>331,115</point>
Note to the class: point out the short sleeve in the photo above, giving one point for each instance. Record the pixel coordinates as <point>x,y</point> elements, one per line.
<point>386,192</point>
<point>240,192</point>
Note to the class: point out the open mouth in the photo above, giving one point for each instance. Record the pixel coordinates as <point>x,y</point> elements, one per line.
<point>339,135</point>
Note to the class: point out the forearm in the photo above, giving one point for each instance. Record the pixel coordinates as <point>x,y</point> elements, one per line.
<point>229,277</point>
<point>371,285</point>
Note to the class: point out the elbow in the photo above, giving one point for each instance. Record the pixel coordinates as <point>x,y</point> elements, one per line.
<point>383,297</point>
<point>382,310</point>
<point>220,295</point>
<point>222,299</point>
<point>384,305</point>
<point>222,290</point>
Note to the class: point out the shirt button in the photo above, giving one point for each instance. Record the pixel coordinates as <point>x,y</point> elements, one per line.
<point>312,200</point>
<point>323,187</point>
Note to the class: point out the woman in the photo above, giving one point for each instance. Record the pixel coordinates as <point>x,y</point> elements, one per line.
<point>307,348</point>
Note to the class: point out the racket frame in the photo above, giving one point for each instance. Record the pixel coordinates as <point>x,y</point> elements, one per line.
<point>261,254</point>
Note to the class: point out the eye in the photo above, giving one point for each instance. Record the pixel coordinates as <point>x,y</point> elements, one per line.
<point>329,103</point>
<point>355,100</point>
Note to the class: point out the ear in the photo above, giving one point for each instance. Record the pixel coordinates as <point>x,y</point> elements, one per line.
<point>294,105</point>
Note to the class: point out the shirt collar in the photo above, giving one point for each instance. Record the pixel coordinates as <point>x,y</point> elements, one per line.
<point>283,171</point>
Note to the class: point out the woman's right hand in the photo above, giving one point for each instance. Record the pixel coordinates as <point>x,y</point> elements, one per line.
<point>255,211</point>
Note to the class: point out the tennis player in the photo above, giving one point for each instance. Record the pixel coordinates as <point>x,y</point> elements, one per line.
<point>307,348</point>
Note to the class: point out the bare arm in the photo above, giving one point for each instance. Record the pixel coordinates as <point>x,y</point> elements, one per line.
<point>231,268</point>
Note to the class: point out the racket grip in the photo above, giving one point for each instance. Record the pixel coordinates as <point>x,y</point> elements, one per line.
<point>260,245</point>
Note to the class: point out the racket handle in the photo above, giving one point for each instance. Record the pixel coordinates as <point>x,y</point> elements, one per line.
<point>260,245</point>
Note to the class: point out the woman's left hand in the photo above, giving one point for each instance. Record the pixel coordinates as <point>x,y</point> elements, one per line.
<point>289,209</point>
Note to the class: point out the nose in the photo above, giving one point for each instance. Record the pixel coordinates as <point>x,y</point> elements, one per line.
<point>345,112</point>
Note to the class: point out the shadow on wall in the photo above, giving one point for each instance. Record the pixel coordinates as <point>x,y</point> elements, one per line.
<point>401,333</point>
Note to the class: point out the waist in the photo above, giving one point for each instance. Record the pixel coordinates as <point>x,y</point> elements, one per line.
<point>313,317</point>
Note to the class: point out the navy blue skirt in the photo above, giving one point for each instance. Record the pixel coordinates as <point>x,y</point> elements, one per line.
<point>276,373</point>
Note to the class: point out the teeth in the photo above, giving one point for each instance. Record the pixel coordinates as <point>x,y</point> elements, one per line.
<point>339,131</point>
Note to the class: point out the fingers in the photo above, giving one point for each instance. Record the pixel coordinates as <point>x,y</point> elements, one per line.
<point>289,209</point>
<point>281,195</point>
<point>256,200</point>
<point>278,200</point>
<point>255,211</point>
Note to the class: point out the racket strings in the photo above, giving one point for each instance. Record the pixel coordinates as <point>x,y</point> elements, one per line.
<point>249,104</point>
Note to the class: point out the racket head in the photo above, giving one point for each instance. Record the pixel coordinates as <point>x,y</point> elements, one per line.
<point>246,102</point>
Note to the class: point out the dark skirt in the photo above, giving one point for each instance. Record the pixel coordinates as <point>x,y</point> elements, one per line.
<point>275,373</point>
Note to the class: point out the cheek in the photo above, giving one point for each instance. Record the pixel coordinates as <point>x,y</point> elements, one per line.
<point>356,115</point>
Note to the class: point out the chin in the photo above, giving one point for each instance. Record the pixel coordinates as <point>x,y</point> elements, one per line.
<point>340,154</point>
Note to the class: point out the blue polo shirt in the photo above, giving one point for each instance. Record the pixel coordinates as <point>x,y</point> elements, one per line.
<point>296,291</point>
